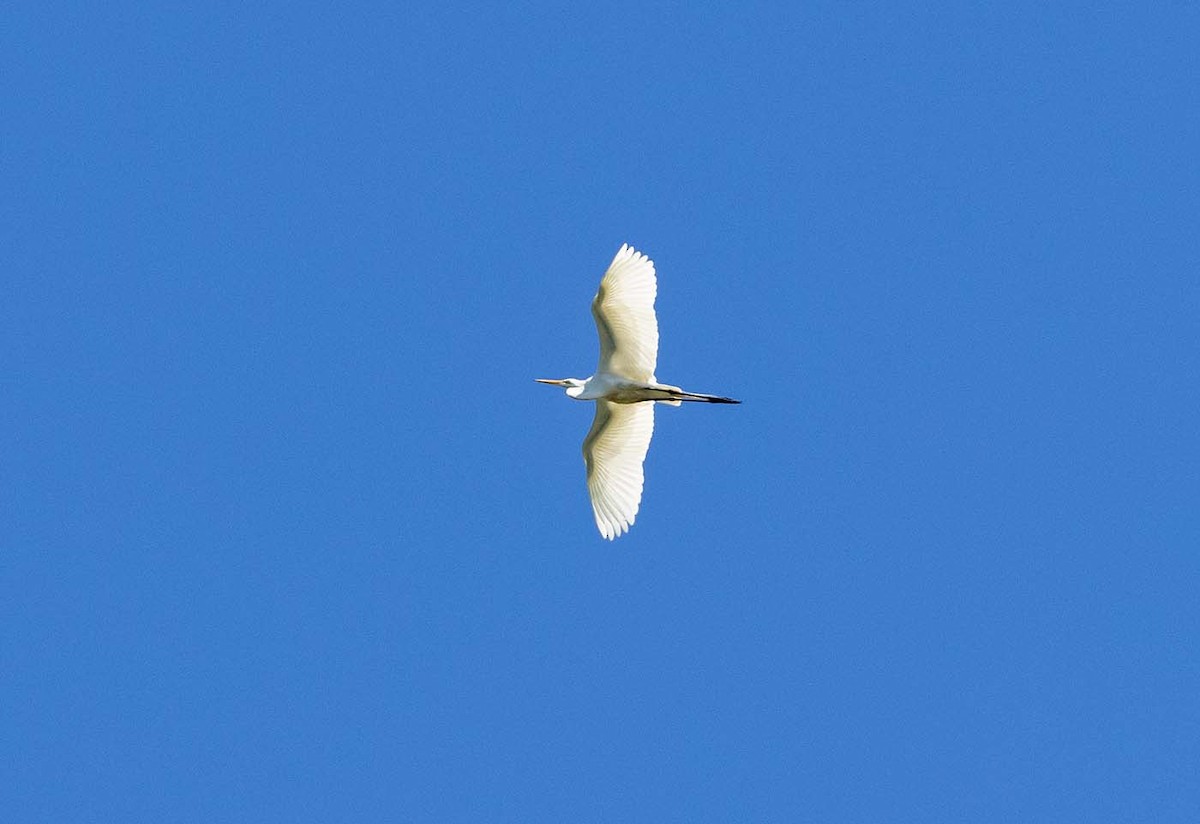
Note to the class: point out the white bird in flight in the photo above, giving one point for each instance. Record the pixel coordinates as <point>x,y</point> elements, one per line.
<point>624,389</point>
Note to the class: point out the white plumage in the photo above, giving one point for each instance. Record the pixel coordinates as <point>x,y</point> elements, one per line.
<point>624,313</point>
<point>624,389</point>
<point>613,451</point>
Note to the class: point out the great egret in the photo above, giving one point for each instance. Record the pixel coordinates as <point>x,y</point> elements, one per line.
<point>624,389</point>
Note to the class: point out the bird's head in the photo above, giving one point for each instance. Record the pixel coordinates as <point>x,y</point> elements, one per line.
<point>573,385</point>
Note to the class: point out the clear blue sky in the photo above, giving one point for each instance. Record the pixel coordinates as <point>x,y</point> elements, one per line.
<point>288,533</point>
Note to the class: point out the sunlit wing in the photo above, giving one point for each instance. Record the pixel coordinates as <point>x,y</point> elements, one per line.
<point>614,451</point>
<point>624,312</point>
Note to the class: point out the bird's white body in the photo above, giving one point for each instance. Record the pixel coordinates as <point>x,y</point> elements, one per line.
<point>624,389</point>
<point>609,387</point>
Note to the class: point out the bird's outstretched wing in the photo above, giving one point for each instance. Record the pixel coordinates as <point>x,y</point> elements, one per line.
<point>624,312</point>
<point>614,450</point>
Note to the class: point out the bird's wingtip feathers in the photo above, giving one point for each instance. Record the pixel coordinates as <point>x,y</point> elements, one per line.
<point>610,532</point>
<point>628,252</point>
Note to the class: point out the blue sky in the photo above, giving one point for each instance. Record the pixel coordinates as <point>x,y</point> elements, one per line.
<point>288,533</point>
